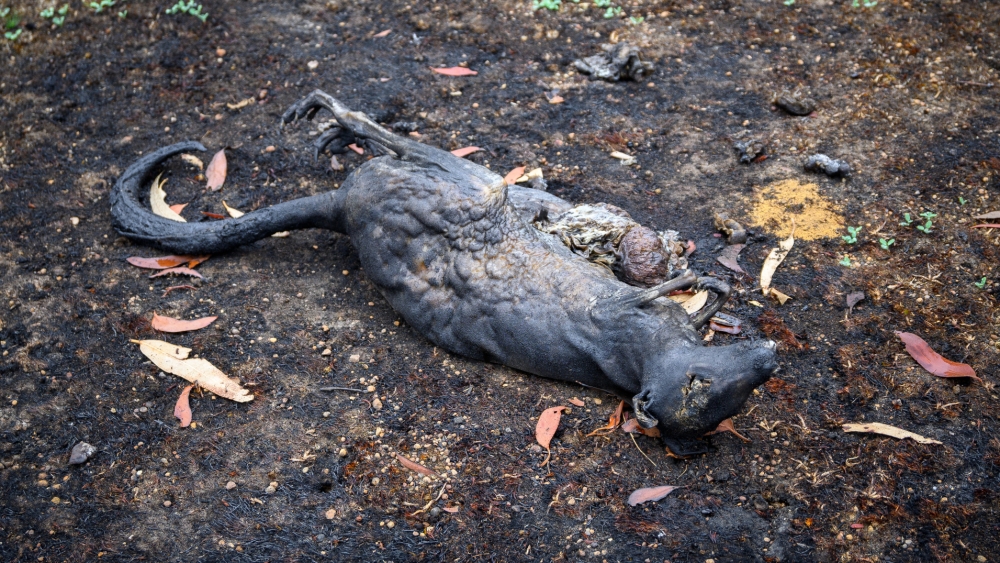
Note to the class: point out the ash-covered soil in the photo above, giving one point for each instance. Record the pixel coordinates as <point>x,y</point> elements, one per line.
<point>905,92</point>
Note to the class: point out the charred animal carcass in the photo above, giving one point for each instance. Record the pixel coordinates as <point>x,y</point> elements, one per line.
<point>451,248</point>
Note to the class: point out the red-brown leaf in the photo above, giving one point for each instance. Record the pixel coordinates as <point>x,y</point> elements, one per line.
<point>159,263</point>
<point>211,215</point>
<point>216,171</point>
<point>647,494</point>
<point>414,466</point>
<point>178,207</point>
<point>632,425</point>
<point>577,402</point>
<point>547,425</point>
<point>455,71</point>
<point>729,256</point>
<point>382,33</point>
<point>724,328</point>
<point>987,226</point>
<point>356,148</point>
<point>727,426</point>
<point>451,509</point>
<point>513,175</point>
<point>932,361</point>
<point>182,409</point>
<point>465,151</point>
<point>177,271</point>
<point>198,260</point>
<point>613,421</point>
<point>168,324</point>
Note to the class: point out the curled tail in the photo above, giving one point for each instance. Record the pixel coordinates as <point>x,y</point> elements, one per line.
<point>134,220</point>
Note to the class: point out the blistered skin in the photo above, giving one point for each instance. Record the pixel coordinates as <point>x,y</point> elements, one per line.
<point>453,252</point>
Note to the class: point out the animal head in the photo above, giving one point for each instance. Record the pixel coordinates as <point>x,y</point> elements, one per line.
<point>688,390</point>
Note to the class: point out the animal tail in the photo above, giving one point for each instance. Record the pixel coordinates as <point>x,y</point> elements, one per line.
<point>134,220</point>
<point>354,125</point>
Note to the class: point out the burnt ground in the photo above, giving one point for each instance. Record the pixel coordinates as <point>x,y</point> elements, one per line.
<point>906,92</point>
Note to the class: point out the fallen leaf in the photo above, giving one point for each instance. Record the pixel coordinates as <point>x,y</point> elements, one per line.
<point>450,509</point>
<point>853,299</point>
<point>163,262</point>
<point>729,256</point>
<point>781,297</point>
<point>691,302</point>
<point>557,99</point>
<point>177,207</point>
<point>216,172</point>
<point>167,324</point>
<point>211,215</point>
<point>886,430</point>
<point>172,358</point>
<point>414,466</point>
<point>193,161</point>
<point>773,260</point>
<point>198,260</point>
<point>382,33</point>
<point>242,103</point>
<point>175,287</point>
<point>613,421</point>
<point>182,409</point>
<point>932,361</point>
<point>648,494</point>
<point>577,402</point>
<point>455,71</point>
<point>354,147</point>
<point>465,151</point>
<point>727,426</point>
<point>632,425</point>
<point>157,201</point>
<point>724,328</point>
<point>530,175</point>
<point>513,175</point>
<point>177,271</point>
<point>987,226</point>
<point>546,428</point>
<point>626,159</point>
<point>990,215</point>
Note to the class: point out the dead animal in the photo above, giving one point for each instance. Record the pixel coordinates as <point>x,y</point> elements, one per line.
<point>451,248</point>
<point>618,62</point>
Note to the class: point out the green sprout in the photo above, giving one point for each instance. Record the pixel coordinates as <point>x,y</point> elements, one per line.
<point>789,2</point>
<point>13,35</point>
<point>47,13</point>
<point>50,13</point>
<point>547,4</point>
<point>981,283</point>
<point>122,14</point>
<point>926,227</point>
<point>846,261</point>
<point>189,8</point>
<point>961,200</point>
<point>98,7</point>
<point>10,20</point>
<point>636,20</point>
<point>907,221</point>
<point>885,244</point>
<point>865,3</point>
<point>853,237</point>
<point>612,12</point>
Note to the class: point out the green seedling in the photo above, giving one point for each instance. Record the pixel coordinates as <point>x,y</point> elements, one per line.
<point>547,4</point>
<point>961,200</point>
<point>885,244</point>
<point>47,13</point>
<point>907,221</point>
<point>189,8</point>
<point>58,17</point>
<point>853,237</point>
<point>865,3</point>
<point>13,35</point>
<point>602,3</point>
<point>98,7</point>
<point>789,2</point>
<point>122,14</point>
<point>636,20</point>
<point>981,283</point>
<point>612,12</point>
<point>926,227</point>
<point>10,20</point>
<point>845,261</point>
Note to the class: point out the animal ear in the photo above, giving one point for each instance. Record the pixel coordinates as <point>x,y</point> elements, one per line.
<point>640,404</point>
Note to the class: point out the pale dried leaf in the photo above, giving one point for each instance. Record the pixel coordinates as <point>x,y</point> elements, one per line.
<point>465,151</point>
<point>729,257</point>
<point>182,409</point>
<point>531,175</point>
<point>216,172</point>
<point>455,71</point>
<point>168,324</point>
<point>773,260</point>
<point>242,103</point>
<point>692,303</point>
<point>513,175</point>
<point>232,211</point>
<point>177,271</point>
<point>382,33</point>
<point>886,430</point>
<point>193,161</point>
<point>557,99</point>
<point>172,359</point>
<point>577,402</point>
<point>781,297</point>
<point>157,201</point>
<point>414,466</point>
<point>990,215</point>
<point>648,494</point>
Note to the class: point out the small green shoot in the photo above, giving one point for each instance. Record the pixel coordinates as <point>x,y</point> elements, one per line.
<point>789,2</point>
<point>51,13</point>
<point>961,200</point>
<point>845,261</point>
<point>612,12</point>
<point>885,244</point>
<point>547,4</point>
<point>853,237</point>
<point>926,227</point>
<point>907,221</point>
<point>602,3</point>
<point>98,7</point>
<point>865,3</point>
<point>981,283</point>
<point>10,20</point>
<point>122,14</point>
<point>13,35</point>
<point>636,20</point>
<point>47,13</point>
<point>189,8</point>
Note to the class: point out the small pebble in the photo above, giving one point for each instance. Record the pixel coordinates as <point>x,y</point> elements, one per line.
<point>343,452</point>
<point>167,503</point>
<point>220,52</point>
<point>377,404</point>
<point>331,514</point>
<point>355,358</point>
<point>81,453</point>
<point>230,485</point>
<point>313,65</point>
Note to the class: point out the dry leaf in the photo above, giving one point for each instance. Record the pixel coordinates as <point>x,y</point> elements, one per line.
<point>773,260</point>
<point>193,262</point>
<point>182,409</point>
<point>242,103</point>
<point>354,147</point>
<point>216,172</point>
<point>162,262</point>
<point>557,99</point>
<point>177,271</point>
<point>987,226</point>
<point>932,361</point>
<point>853,299</point>
<point>455,71</point>
<point>382,33</point>
<point>650,494</point>
<point>450,509</point>
<point>577,402</point>
<point>727,426</point>
<point>546,428</point>
<point>692,303</point>
<point>412,465</point>
<point>157,201</point>
<point>729,255</point>
<point>193,161</point>
<point>175,287</point>
<point>177,207</point>
<point>531,175</point>
<point>613,421</point>
<point>173,359</point>
<point>167,324</point>
<point>465,151</point>
<point>886,430</point>
<point>781,297</point>
<point>626,159</point>
<point>513,175</point>
<point>990,215</point>
<point>632,425</point>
